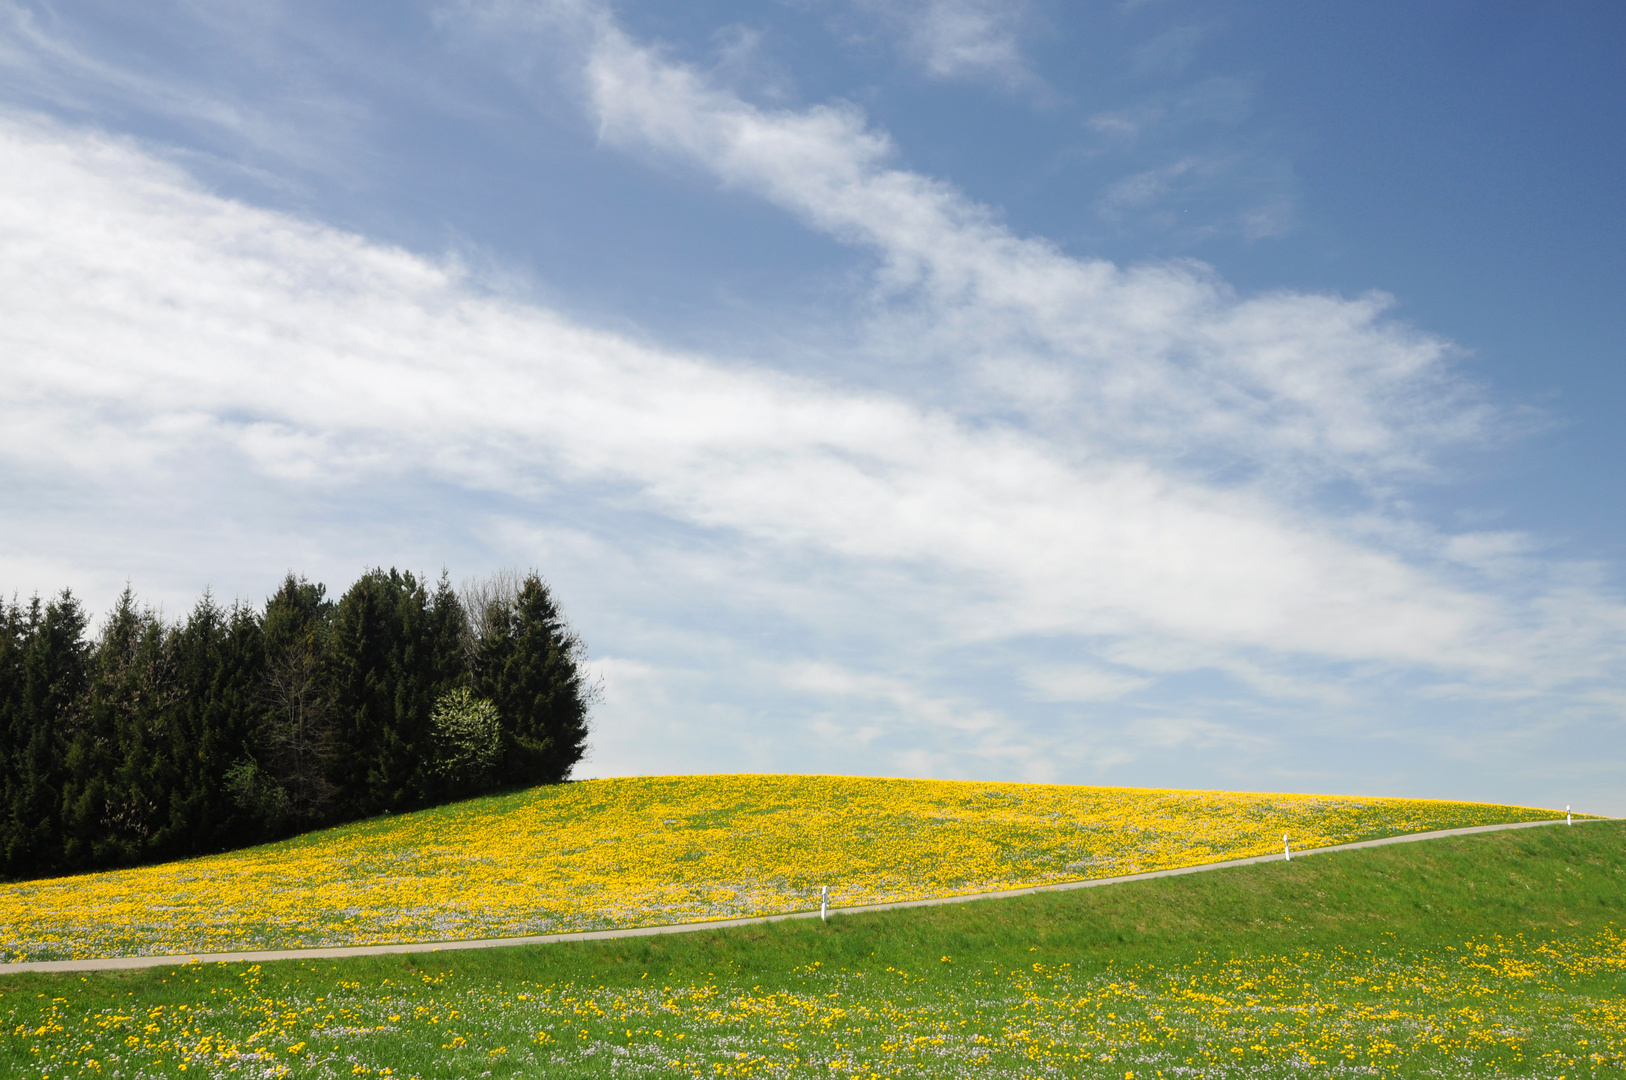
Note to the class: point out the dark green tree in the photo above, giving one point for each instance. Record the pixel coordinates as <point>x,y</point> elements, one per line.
<point>393,652</point>
<point>530,663</point>
<point>54,674</point>
<point>294,749</point>
<point>219,664</point>
<point>114,799</point>
<point>14,639</point>
<point>233,726</point>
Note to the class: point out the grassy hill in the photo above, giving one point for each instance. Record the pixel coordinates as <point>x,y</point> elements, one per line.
<point>656,850</point>
<point>1492,955</point>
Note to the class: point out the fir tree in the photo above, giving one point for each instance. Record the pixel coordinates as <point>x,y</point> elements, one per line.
<point>295,744</point>
<point>54,676</point>
<point>530,664</point>
<point>112,800</point>
<point>219,658</point>
<point>393,654</point>
<point>233,726</point>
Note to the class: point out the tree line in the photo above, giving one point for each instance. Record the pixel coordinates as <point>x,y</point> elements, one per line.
<point>153,740</point>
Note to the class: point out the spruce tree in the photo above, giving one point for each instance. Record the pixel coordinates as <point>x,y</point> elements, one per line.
<point>14,637</point>
<point>219,658</point>
<point>112,799</point>
<point>294,745</point>
<point>529,663</point>
<point>230,727</point>
<point>393,654</point>
<point>54,677</point>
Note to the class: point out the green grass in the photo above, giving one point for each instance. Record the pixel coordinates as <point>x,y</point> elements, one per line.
<point>641,851</point>
<point>1487,955</point>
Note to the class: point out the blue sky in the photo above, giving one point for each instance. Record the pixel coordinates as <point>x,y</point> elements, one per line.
<point>1144,393</point>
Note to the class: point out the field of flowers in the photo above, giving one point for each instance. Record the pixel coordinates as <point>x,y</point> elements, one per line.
<point>1495,1006</point>
<point>655,850</point>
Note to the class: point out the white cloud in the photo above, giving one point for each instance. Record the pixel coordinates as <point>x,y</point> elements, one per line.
<point>1162,197</point>
<point>1035,459</point>
<point>1158,366</point>
<point>1169,52</point>
<point>1171,733</point>
<point>1490,552</point>
<point>1197,169</point>
<point>960,39</point>
<point>915,707</point>
<point>1079,683</point>
<point>150,322</point>
<point>289,344</point>
<point>289,119</point>
<point>1161,358</point>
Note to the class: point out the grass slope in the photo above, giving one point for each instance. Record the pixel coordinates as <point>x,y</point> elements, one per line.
<point>1492,955</point>
<point>651,850</point>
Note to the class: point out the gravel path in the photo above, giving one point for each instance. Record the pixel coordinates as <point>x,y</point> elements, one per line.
<point>110,963</point>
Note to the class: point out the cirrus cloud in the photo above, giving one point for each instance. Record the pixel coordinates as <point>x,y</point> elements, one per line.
<point>1115,486</point>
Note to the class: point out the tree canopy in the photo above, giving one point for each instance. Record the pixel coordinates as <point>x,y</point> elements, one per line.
<point>152,740</point>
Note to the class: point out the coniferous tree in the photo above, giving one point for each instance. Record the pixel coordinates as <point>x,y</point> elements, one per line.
<point>55,673</point>
<point>219,658</point>
<point>112,801</point>
<point>529,663</point>
<point>393,653</point>
<point>234,726</point>
<point>296,743</point>
<point>445,663</point>
<point>14,638</point>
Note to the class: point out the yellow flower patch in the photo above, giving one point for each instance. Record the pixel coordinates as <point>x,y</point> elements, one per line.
<point>653,850</point>
<point>1490,1006</point>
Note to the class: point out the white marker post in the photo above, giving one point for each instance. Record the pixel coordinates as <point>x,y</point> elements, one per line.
<point>824,903</point>
<point>1567,820</point>
<point>1287,850</point>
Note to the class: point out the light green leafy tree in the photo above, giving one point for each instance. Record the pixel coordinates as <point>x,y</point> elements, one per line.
<point>468,736</point>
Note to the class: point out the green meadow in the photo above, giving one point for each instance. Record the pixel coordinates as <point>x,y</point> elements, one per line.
<point>1493,955</point>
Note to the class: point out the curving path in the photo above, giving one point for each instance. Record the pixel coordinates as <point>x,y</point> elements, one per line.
<point>116,962</point>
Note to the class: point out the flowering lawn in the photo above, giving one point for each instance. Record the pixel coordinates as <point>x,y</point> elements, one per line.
<point>652,850</point>
<point>1488,956</point>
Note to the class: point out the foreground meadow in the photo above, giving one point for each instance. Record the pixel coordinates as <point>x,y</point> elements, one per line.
<point>653,850</point>
<point>1498,955</point>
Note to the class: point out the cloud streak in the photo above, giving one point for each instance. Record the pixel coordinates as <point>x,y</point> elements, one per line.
<point>316,358</point>
<point>960,39</point>
<point>1105,479</point>
<point>1150,358</point>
